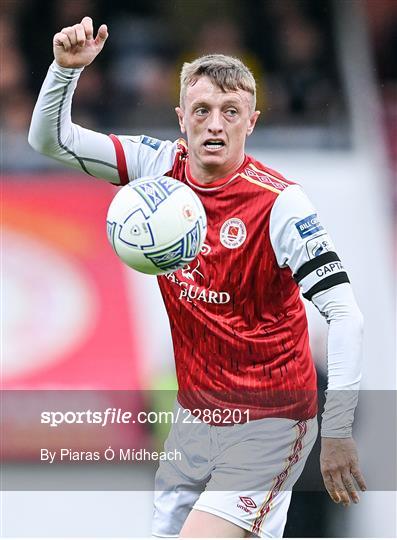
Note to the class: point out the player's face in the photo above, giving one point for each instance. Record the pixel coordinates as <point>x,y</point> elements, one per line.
<point>217,124</point>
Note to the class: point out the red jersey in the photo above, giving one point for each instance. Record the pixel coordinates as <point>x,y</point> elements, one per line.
<point>238,325</point>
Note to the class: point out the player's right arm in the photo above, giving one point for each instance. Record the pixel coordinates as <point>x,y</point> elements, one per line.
<point>52,132</point>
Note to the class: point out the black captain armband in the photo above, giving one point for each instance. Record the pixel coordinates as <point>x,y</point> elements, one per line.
<point>320,274</point>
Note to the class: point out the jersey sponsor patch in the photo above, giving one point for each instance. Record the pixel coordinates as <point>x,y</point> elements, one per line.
<point>149,141</point>
<point>308,226</point>
<point>233,233</point>
<point>320,273</point>
<point>318,245</point>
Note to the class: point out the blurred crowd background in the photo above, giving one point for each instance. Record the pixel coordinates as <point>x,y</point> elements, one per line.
<point>327,88</point>
<point>287,44</point>
<point>290,45</point>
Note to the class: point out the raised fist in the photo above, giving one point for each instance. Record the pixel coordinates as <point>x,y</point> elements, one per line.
<point>75,46</point>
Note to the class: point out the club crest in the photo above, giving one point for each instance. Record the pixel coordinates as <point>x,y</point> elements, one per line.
<point>233,233</point>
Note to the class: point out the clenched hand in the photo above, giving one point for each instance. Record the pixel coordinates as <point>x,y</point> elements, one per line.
<point>75,46</point>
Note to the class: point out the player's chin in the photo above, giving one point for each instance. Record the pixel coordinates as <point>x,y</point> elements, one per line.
<point>213,158</point>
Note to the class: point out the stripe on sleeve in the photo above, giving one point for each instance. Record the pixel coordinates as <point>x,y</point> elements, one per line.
<point>320,274</point>
<point>309,266</point>
<point>121,161</point>
<point>327,283</point>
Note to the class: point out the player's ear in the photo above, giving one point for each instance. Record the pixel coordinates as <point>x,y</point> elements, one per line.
<point>252,121</point>
<point>180,115</point>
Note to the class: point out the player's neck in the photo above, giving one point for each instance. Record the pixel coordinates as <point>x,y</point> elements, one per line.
<point>209,175</point>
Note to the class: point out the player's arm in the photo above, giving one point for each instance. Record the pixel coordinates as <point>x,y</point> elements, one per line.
<point>52,132</point>
<point>300,242</point>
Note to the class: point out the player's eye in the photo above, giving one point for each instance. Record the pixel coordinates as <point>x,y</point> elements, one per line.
<point>201,111</point>
<point>232,112</point>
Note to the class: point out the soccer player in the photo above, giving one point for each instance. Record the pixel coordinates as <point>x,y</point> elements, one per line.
<point>246,407</point>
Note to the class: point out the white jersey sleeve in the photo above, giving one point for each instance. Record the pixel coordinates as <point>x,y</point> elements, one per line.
<point>139,156</point>
<point>116,159</point>
<point>302,243</point>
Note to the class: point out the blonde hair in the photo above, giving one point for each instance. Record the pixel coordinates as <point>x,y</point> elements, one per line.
<point>226,72</point>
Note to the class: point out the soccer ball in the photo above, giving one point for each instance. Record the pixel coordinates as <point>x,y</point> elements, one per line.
<point>156,225</point>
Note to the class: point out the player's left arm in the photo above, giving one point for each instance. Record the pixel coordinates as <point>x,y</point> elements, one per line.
<point>300,241</point>
<point>339,459</point>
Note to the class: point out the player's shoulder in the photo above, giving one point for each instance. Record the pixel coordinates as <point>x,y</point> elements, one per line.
<point>181,146</point>
<point>153,147</point>
<point>145,155</point>
<point>265,178</point>
<point>143,142</point>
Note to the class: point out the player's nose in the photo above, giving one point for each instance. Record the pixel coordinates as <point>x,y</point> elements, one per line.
<point>215,124</point>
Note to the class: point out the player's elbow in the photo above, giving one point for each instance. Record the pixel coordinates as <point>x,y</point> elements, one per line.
<point>351,316</point>
<point>35,141</point>
<point>357,319</point>
<point>39,143</point>
<point>40,136</point>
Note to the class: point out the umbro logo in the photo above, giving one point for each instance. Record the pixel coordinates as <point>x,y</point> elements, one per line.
<point>248,503</point>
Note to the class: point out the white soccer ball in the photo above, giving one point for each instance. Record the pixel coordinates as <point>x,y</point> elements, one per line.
<point>156,225</point>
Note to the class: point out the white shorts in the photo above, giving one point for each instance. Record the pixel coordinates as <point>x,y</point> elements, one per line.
<point>243,473</point>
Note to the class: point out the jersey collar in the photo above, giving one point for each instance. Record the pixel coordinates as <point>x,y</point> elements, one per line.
<point>220,183</point>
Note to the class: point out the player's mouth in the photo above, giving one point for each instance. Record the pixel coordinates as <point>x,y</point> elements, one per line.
<point>213,145</point>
